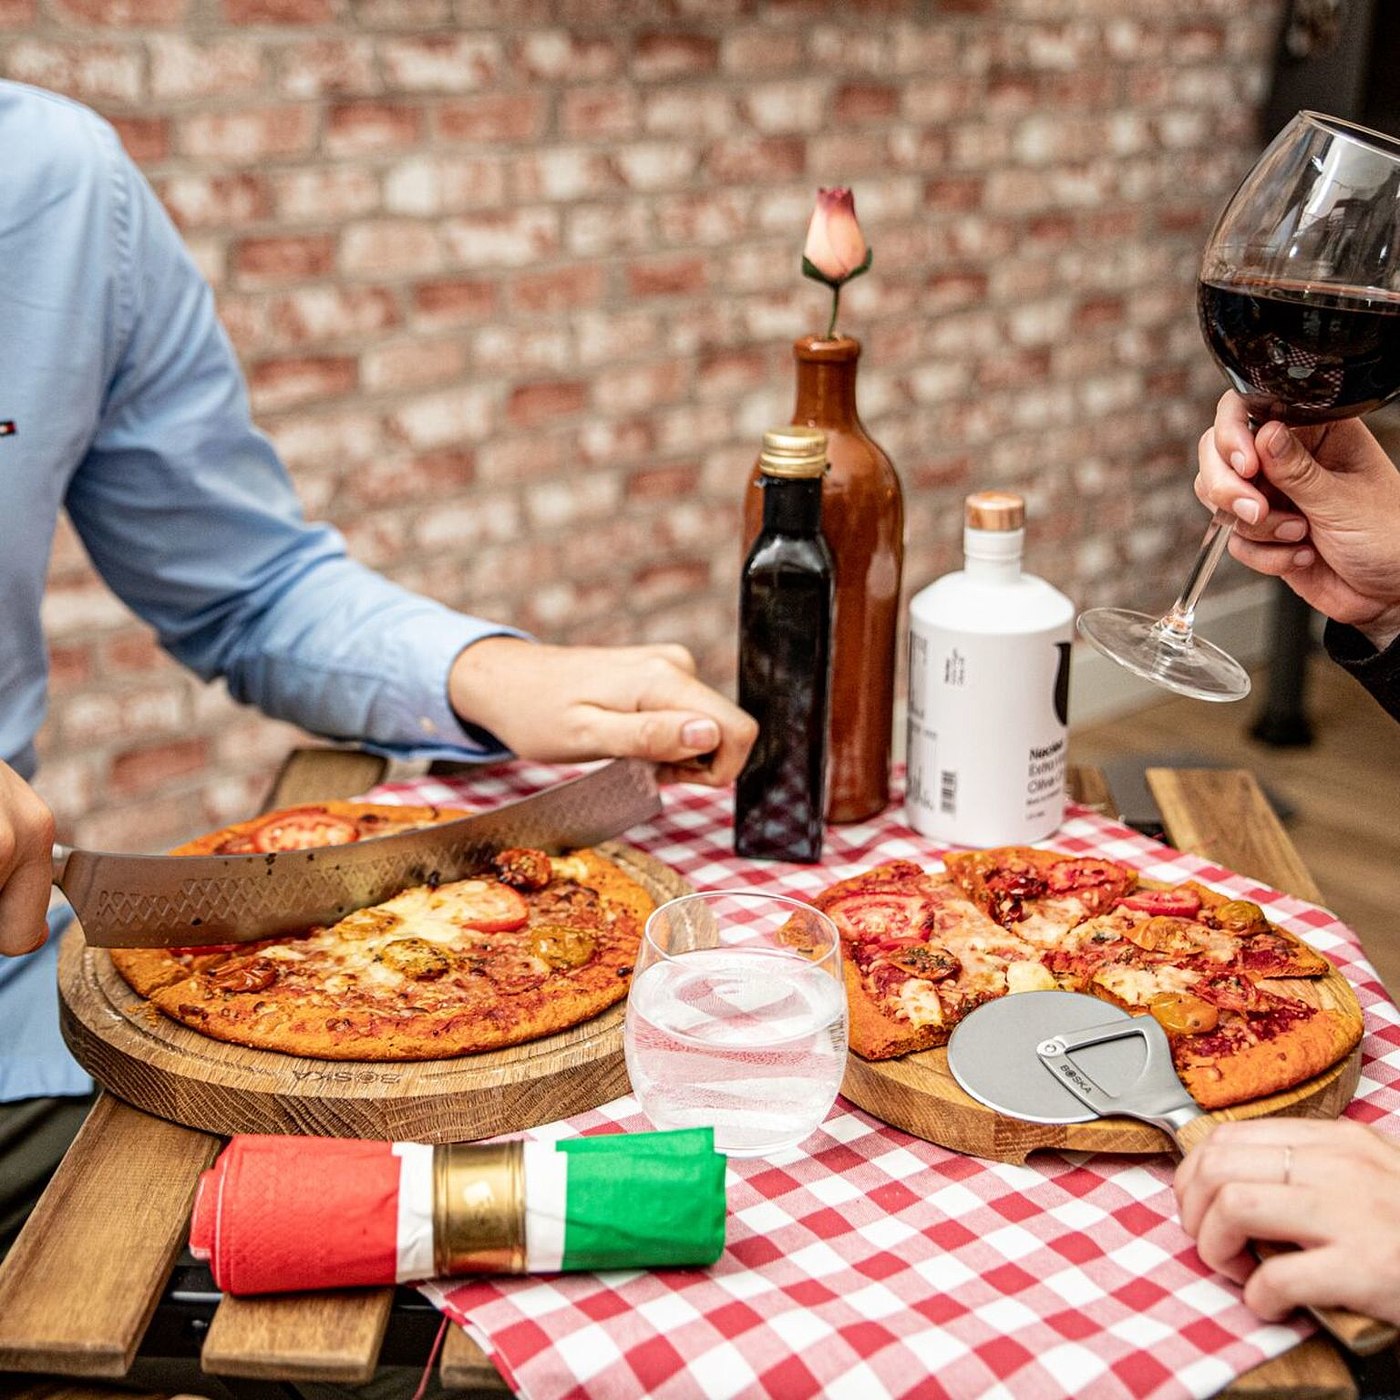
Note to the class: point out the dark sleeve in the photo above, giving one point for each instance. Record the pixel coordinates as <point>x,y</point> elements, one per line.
<point>1378,671</point>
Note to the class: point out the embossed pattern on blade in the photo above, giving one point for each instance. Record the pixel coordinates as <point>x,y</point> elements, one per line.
<point>125,901</point>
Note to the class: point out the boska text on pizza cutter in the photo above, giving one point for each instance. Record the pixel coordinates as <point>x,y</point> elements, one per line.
<point>1062,1057</point>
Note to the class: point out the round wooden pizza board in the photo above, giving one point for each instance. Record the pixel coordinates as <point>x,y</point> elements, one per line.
<point>174,1072</point>
<point>919,1094</point>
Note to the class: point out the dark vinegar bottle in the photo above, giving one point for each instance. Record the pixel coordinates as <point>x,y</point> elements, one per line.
<point>785,612</point>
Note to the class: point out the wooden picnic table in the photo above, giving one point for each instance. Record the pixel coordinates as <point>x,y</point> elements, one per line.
<point>94,1264</point>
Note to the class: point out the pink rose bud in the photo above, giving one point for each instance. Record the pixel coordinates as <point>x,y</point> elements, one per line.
<point>836,247</point>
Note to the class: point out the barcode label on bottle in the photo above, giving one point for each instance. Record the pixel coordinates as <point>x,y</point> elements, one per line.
<point>948,791</point>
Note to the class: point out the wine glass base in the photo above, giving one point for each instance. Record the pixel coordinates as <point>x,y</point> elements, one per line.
<point>1188,665</point>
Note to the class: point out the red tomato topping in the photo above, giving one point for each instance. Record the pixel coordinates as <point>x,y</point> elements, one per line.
<point>1080,874</point>
<point>491,907</point>
<point>880,914</point>
<point>302,829</point>
<point>1177,904</point>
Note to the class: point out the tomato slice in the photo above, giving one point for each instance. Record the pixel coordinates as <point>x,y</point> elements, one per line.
<point>489,906</point>
<point>1178,904</point>
<point>880,914</point>
<point>1080,874</point>
<point>303,828</point>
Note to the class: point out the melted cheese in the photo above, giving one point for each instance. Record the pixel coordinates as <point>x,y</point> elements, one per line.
<point>918,1000</point>
<point>1029,977</point>
<point>1136,986</point>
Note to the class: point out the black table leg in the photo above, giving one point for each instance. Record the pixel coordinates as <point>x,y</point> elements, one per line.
<point>1282,720</point>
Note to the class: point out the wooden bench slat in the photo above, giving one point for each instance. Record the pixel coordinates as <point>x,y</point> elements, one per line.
<point>82,1280</point>
<point>464,1366</point>
<point>331,1336</point>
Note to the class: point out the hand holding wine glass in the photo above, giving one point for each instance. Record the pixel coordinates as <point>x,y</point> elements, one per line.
<point>1299,302</point>
<point>1318,507</point>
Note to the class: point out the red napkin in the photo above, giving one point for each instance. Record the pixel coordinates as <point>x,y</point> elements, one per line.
<point>261,1234</point>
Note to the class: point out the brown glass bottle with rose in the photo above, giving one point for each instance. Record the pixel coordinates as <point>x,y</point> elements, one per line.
<point>862,514</point>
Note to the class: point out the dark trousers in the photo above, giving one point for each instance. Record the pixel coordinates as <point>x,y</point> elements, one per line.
<point>34,1135</point>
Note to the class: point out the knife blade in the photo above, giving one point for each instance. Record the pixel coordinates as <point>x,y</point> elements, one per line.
<point>135,901</point>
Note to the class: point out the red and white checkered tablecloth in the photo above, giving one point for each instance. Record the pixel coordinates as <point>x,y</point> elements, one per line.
<point>869,1263</point>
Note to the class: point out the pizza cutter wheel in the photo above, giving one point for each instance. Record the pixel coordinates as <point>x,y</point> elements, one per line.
<point>1062,1057</point>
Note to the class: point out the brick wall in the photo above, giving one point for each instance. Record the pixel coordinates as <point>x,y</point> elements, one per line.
<point>514,283</point>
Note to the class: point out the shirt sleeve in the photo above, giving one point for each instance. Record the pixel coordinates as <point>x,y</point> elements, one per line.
<point>191,518</point>
<point>1378,671</point>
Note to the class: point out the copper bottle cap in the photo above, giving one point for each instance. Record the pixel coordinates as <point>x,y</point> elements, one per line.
<point>994,510</point>
<point>793,451</point>
<point>479,1208</point>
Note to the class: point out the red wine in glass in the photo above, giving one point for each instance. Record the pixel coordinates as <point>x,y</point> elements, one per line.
<point>1302,354</point>
<point>1299,302</point>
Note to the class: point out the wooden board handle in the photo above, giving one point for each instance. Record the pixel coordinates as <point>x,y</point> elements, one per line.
<point>1361,1335</point>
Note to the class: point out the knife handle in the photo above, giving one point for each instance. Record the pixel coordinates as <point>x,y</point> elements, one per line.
<point>60,860</point>
<point>1361,1335</point>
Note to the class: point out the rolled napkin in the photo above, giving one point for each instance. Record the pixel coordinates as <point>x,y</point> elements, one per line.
<point>282,1214</point>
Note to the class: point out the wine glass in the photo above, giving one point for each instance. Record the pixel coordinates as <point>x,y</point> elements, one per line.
<point>736,1019</point>
<point>1299,302</point>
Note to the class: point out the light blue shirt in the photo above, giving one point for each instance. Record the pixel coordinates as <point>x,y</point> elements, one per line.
<point>122,402</point>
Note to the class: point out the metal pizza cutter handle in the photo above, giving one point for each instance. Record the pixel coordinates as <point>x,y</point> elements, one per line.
<point>1159,1097</point>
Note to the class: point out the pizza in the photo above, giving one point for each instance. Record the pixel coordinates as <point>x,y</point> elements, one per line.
<point>1236,995</point>
<point>530,945</point>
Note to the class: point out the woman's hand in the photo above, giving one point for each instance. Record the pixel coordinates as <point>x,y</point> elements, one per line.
<point>26,867</point>
<point>1330,1186</point>
<point>560,704</point>
<point>1318,507</point>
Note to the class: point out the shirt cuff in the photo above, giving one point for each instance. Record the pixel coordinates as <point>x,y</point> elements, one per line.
<point>420,717</point>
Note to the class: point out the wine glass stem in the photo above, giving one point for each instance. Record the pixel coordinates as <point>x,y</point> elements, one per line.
<point>1180,618</point>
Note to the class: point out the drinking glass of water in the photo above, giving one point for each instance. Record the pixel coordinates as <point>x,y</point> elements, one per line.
<point>737,1019</point>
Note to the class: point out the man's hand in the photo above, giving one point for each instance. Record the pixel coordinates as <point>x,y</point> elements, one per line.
<point>26,869</point>
<point>1318,507</point>
<point>561,704</point>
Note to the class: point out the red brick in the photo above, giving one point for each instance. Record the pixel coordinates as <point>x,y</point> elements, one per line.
<point>275,384</point>
<point>183,68</point>
<point>866,102</point>
<point>147,139</point>
<point>763,159</point>
<point>510,461</point>
<point>1098,311</point>
<point>15,13</point>
<point>529,405</point>
<point>316,67</point>
<point>411,365</point>
<point>453,303</point>
<point>133,651</point>
<point>666,54</point>
<point>333,312</point>
<point>667,277</point>
<point>401,14</point>
<point>249,135</point>
<point>319,194</point>
<point>731,372</point>
<point>120,14</point>
<point>440,63</point>
<point>675,578</point>
<point>93,73</point>
<point>355,128</point>
<point>388,246</point>
<point>278,11</point>
<point>555,55</point>
<point>69,666</point>
<point>754,51</point>
<point>492,119</point>
<point>397,481</point>
<point>675,482</point>
<point>563,289</point>
<point>217,201</point>
<point>512,239</point>
<point>444,184</point>
<point>140,770</point>
<point>593,113</point>
<point>265,261</point>
<point>633,388</point>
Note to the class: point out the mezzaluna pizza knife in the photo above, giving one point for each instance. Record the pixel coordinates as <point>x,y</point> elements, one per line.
<point>133,901</point>
<point>1101,1062</point>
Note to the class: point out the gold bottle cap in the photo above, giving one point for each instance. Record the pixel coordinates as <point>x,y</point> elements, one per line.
<point>479,1208</point>
<point>794,451</point>
<point>994,510</point>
